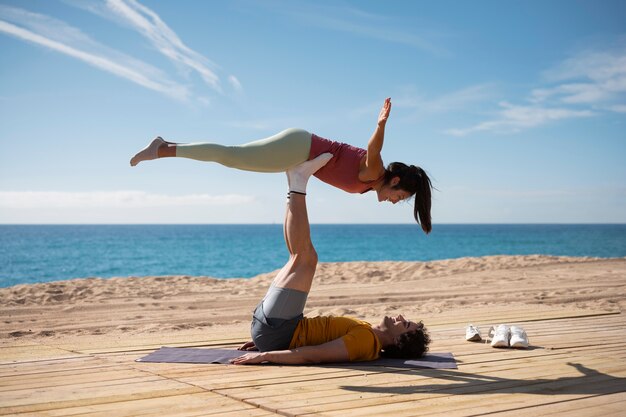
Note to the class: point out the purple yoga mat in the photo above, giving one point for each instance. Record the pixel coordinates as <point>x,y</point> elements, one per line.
<point>223,356</point>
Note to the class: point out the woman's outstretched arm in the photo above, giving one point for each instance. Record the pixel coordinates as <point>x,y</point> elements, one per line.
<point>374,166</point>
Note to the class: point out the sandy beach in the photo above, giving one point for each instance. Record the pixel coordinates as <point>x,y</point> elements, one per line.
<point>171,308</point>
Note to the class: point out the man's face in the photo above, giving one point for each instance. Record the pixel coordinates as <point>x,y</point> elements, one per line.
<point>398,325</point>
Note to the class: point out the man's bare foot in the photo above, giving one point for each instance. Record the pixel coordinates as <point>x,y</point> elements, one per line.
<point>149,152</point>
<point>298,176</point>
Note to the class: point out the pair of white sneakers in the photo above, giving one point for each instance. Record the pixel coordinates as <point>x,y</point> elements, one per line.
<point>501,336</point>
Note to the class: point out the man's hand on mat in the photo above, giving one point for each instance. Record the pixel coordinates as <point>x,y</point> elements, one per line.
<point>248,346</point>
<point>249,359</point>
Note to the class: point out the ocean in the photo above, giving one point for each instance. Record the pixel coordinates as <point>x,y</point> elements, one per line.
<point>42,253</point>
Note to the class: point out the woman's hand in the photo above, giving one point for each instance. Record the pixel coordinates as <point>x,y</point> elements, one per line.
<point>384,112</point>
<point>248,346</point>
<point>249,358</point>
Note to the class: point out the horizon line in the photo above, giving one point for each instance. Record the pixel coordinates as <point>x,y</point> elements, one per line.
<point>324,223</point>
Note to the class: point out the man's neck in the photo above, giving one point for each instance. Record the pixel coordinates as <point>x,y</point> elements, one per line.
<point>384,337</point>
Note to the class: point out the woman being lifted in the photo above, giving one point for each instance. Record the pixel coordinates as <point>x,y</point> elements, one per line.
<point>351,169</point>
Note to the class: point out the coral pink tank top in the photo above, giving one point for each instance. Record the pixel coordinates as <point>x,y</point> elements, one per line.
<point>343,170</point>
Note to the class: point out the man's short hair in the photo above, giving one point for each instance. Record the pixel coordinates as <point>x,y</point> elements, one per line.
<point>409,345</point>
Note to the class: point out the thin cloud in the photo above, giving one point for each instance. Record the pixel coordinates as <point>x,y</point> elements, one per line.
<point>590,77</point>
<point>356,22</point>
<point>512,118</point>
<point>452,101</point>
<point>145,21</point>
<point>60,37</point>
<point>417,106</point>
<point>267,124</point>
<point>205,101</point>
<point>261,125</point>
<point>620,108</point>
<point>150,25</point>
<point>458,99</point>
<point>234,82</point>
<point>113,199</point>
<point>594,65</point>
<point>584,85</point>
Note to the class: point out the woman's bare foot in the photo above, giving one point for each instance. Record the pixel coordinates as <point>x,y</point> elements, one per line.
<point>149,152</point>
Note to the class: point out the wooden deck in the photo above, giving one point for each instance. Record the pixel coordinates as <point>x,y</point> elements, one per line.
<point>577,367</point>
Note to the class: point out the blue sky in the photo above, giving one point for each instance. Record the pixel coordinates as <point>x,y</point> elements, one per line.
<point>516,109</point>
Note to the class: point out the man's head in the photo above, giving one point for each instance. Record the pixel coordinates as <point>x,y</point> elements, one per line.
<point>409,339</point>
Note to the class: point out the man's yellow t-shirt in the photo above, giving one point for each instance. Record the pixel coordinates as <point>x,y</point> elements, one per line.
<point>361,342</point>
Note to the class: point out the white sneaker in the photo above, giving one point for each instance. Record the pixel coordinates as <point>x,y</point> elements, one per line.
<point>518,338</point>
<point>472,333</point>
<point>501,336</point>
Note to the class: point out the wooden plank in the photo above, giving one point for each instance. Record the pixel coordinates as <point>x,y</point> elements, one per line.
<point>200,404</point>
<point>182,370</point>
<point>450,404</point>
<point>528,395</point>
<point>601,404</point>
<point>59,379</point>
<point>521,358</point>
<point>134,386</point>
<point>499,396</point>
<point>43,367</point>
<point>493,355</point>
<point>382,377</point>
<point>271,377</point>
<point>48,400</point>
<point>390,389</point>
<point>144,343</point>
<point>226,341</point>
<point>32,352</point>
<point>377,397</point>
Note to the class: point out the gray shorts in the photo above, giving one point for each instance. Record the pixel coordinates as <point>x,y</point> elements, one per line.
<point>276,317</point>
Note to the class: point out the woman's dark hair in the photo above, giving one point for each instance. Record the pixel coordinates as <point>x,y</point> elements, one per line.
<point>414,180</point>
<point>409,345</point>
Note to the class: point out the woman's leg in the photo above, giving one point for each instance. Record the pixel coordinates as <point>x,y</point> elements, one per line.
<point>158,148</point>
<point>274,154</point>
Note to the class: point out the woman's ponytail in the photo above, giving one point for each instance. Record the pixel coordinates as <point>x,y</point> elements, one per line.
<point>414,180</point>
<point>422,203</point>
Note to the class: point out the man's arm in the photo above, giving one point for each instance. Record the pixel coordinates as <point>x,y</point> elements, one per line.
<point>374,166</point>
<point>333,351</point>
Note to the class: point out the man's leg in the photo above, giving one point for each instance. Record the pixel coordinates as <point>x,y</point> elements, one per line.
<point>276,317</point>
<point>298,272</point>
